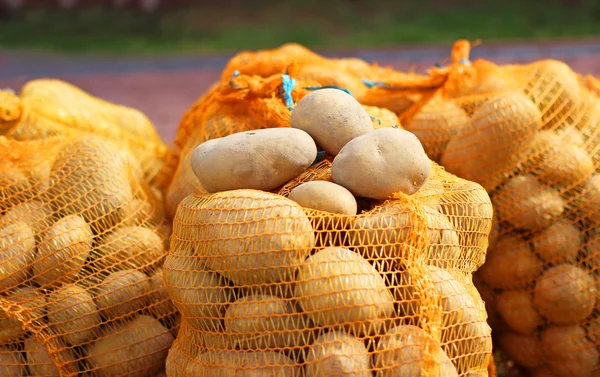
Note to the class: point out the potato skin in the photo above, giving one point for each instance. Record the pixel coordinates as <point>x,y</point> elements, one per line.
<point>216,363</point>
<point>259,159</point>
<point>331,117</point>
<point>62,252</point>
<point>560,242</point>
<point>138,348</point>
<point>401,352</point>
<point>36,214</point>
<point>12,363</point>
<point>382,162</point>
<point>14,188</point>
<point>324,196</point>
<point>132,247</point>
<point>568,352</point>
<point>516,309</point>
<point>524,349</point>
<point>40,363</point>
<point>565,294</point>
<point>30,299</point>
<point>162,306</point>
<point>337,287</point>
<point>444,246</point>
<point>17,248</point>
<point>122,293</point>
<point>72,313</point>
<point>230,229</point>
<point>337,353</point>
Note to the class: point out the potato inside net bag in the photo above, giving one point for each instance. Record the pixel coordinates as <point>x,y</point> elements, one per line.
<point>529,134</point>
<point>269,287</point>
<point>82,241</point>
<point>240,103</point>
<point>51,107</point>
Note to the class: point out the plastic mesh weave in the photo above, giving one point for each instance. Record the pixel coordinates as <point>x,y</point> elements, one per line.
<point>82,240</point>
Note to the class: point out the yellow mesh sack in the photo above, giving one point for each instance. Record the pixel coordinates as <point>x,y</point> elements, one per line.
<point>240,103</point>
<point>51,107</point>
<point>532,139</point>
<point>266,287</point>
<point>82,241</point>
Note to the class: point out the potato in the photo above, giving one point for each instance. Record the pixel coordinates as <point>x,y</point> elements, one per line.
<point>527,204</point>
<point>565,294</point>
<point>12,363</point>
<point>32,302</point>
<point>435,124</point>
<point>495,232</point>
<point>444,246</point>
<point>264,321</point>
<point>62,252</point>
<point>593,330</point>
<point>36,214</point>
<point>381,163</point>
<point>243,364</point>
<point>524,349</point>
<point>332,118</point>
<point>176,362</point>
<point>164,231</point>
<point>337,353</point>
<point>89,178</point>
<point>516,309</point>
<point>337,287</point>
<point>139,213</point>
<point>588,204</point>
<point>17,248</point>
<point>132,247</point>
<point>41,363</point>
<point>259,159</point>
<point>162,306</point>
<point>228,230</point>
<point>14,187</point>
<point>568,352</point>
<point>39,176</point>
<point>122,293</point>
<point>466,336</point>
<point>324,196</point>
<point>382,117</point>
<point>73,315</point>
<point>200,295</point>
<point>402,351</point>
<point>557,162</point>
<point>138,348</point>
<point>560,242</point>
<point>490,147</point>
<point>511,263</point>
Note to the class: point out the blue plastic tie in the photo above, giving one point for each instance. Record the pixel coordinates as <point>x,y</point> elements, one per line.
<point>328,87</point>
<point>371,84</point>
<point>288,85</point>
<point>378,120</point>
<point>465,61</point>
<point>236,73</point>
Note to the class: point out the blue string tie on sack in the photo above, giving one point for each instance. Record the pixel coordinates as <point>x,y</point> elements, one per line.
<point>328,87</point>
<point>236,73</point>
<point>288,86</point>
<point>378,120</point>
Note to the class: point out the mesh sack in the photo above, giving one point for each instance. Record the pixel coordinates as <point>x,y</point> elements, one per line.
<point>270,288</point>
<point>82,241</point>
<point>239,103</point>
<point>530,135</point>
<point>51,107</point>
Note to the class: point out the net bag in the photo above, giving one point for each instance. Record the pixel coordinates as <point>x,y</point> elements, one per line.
<point>530,135</point>
<point>239,103</point>
<point>267,287</point>
<point>51,107</point>
<point>82,241</point>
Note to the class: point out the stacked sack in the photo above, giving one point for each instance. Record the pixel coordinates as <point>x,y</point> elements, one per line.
<point>239,103</point>
<point>82,240</point>
<point>52,108</point>
<point>323,245</point>
<point>530,135</point>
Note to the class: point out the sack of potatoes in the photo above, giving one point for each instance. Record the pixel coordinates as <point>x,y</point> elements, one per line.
<point>239,103</point>
<point>82,241</point>
<point>328,247</point>
<point>530,135</point>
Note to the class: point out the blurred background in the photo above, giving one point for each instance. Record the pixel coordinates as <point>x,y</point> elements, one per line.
<point>160,55</point>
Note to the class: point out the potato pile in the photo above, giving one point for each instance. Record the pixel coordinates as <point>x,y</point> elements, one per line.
<point>359,264</point>
<point>82,240</point>
<point>535,148</point>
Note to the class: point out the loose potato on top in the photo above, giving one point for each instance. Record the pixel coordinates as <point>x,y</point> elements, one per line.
<point>381,163</point>
<point>259,159</point>
<point>332,118</point>
<point>324,196</point>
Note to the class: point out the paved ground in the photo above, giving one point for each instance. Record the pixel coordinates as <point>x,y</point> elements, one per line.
<point>165,87</point>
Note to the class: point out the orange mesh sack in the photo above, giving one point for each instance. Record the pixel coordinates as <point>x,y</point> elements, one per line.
<point>51,107</point>
<point>240,103</point>
<point>82,241</point>
<point>531,138</point>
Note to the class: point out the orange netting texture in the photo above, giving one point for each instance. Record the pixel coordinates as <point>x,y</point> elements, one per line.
<point>529,134</point>
<point>82,241</point>
<point>51,107</point>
